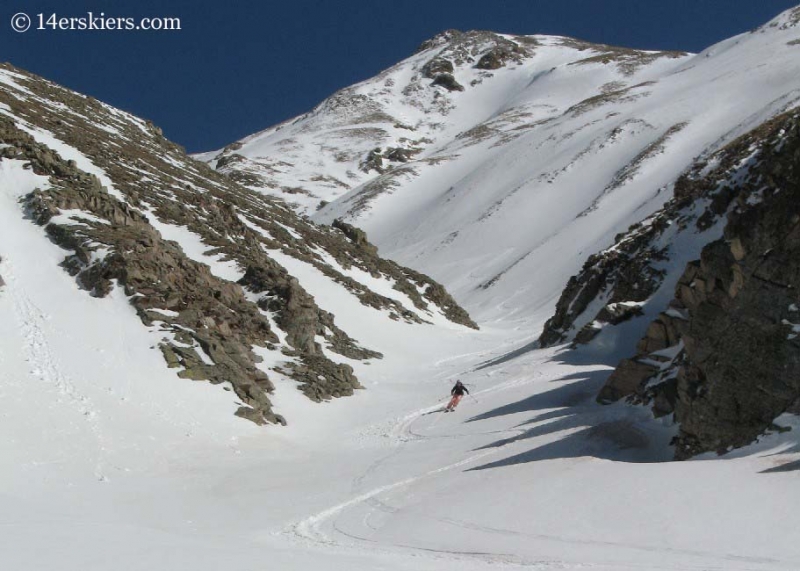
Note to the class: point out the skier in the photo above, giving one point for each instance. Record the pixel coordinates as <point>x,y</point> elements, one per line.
<point>458,392</point>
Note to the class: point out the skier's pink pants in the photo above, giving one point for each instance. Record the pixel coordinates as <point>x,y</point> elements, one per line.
<point>454,401</point>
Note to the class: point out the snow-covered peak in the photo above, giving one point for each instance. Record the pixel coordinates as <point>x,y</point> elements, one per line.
<point>451,86</point>
<point>516,156</point>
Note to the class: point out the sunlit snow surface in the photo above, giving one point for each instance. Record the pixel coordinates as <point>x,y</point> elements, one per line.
<point>109,461</point>
<point>502,223</point>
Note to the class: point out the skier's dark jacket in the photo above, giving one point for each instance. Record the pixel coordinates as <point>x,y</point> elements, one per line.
<point>459,390</point>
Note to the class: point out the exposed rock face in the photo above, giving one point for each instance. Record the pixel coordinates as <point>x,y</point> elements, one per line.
<point>725,356</point>
<point>500,55</point>
<point>355,235</point>
<point>614,284</point>
<point>436,66</point>
<point>438,40</point>
<point>742,364</point>
<point>447,81</point>
<point>615,275</point>
<point>375,158</point>
<point>481,49</point>
<point>297,314</point>
<point>408,281</point>
<point>115,237</point>
<point>206,314</point>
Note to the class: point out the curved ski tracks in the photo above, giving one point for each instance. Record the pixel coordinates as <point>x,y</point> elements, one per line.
<point>325,529</point>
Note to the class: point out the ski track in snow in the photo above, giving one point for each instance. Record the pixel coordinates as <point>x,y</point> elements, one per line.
<point>32,322</point>
<point>319,530</point>
<point>310,530</point>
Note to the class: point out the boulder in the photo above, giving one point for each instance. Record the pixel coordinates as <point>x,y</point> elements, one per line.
<point>447,81</point>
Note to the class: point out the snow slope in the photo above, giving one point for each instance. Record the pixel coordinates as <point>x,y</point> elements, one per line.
<point>109,460</point>
<point>79,372</point>
<point>527,474</point>
<point>534,166</point>
<point>564,188</point>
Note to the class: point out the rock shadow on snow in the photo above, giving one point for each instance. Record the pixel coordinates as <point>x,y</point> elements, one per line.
<point>783,464</point>
<point>788,467</point>
<point>510,356</point>
<point>619,440</point>
<point>618,432</point>
<point>565,396</point>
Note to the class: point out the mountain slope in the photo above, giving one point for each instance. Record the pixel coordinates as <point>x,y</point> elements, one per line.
<point>534,165</point>
<point>200,258</point>
<point>408,113</point>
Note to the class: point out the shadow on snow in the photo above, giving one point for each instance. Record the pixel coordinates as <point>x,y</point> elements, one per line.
<point>613,432</point>
<point>618,432</point>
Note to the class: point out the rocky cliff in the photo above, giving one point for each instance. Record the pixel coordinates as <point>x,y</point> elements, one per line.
<point>722,354</point>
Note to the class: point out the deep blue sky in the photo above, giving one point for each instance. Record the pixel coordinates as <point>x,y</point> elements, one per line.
<point>232,71</point>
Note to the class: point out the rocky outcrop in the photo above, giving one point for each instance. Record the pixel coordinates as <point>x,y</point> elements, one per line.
<point>297,314</point>
<point>436,66</point>
<point>447,81</point>
<point>615,284</point>
<point>355,235</point>
<point>375,158</point>
<point>322,379</point>
<point>439,39</point>
<point>623,277</point>
<point>114,236</point>
<point>480,49</point>
<point>197,312</point>
<point>419,288</point>
<point>725,356</point>
<point>627,60</point>
<point>500,55</point>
